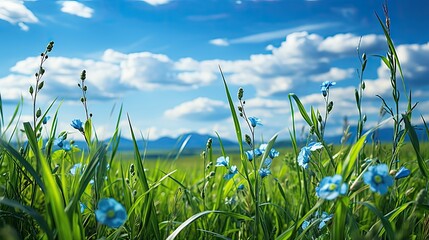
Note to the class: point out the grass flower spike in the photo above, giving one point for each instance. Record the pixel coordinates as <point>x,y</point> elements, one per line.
<point>331,187</point>
<point>378,178</point>
<point>110,213</point>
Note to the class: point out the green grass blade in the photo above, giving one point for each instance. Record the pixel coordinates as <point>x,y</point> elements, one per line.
<point>30,211</point>
<point>234,117</point>
<point>416,146</point>
<point>201,214</point>
<point>386,223</point>
<point>54,197</point>
<point>149,217</point>
<point>301,109</point>
<point>16,156</point>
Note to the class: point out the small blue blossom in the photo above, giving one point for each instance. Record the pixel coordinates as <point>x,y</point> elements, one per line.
<point>324,219</point>
<point>240,187</point>
<point>254,121</point>
<point>46,119</point>
<point>77,124</point>
<point>324,88</point>
<point>222,161</point>
<point>267,162</point>
<point>59,141</point>
<point>231,172</point>
<point>110,213</point>
<point>82,207</point>
<point>66,146</point>
<point>331,187</point>
<point>230,201</point>
<point>250,155</point>
<point>378,178</point>
<point>402,173</point>
<point>304,154</point>
<point>263,172</point>
<point>305,224</point>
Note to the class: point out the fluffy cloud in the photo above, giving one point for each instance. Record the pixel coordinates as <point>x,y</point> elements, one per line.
<point>346,44</point>
<point>201,108</point>
<point>414,60</point>
<point>334,74</point>
<point>76,8</point>
<point>15,12</point>
<point>156,2</point>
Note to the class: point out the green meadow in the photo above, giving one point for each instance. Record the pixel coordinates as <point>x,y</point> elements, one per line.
<point>360,188</point>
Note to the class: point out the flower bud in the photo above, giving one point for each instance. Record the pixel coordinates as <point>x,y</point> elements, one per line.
<point>330,106</point>
<point>240,93</point>
<point>38,113</point>
<point>363,86</point>
<point>248,139</point>
<point>209,143</point>
<point>83,75</point>
<point>50,46</point>
<point>85,88</point>
<point>40,86</point>
<point>41,71</point>
<point>31,90</point>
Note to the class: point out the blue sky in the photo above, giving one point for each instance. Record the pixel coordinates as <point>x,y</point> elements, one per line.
<point>160,58</point>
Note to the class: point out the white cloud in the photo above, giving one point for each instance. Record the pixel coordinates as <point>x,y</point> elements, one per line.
<point>334,74</point>
<point>199,109</point>
<point>271,35</point>
<point>346,44</point>
<point>15,12</point>
<point>156,2</point>
<point>219,42</point>
<point>76,8</point>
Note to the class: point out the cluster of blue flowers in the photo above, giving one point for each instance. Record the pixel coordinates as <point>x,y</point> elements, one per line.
<point>224,162</point>
<point>324,219</point>
<point>304,154</point>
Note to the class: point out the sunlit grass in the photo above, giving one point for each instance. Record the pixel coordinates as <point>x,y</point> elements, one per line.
<point>52,189</point>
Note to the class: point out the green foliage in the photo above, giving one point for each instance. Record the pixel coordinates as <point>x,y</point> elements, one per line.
<point>50,189</point>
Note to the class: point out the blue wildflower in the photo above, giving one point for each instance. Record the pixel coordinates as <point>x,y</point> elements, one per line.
<point>46,119</point>
<point>267,162</point>
<point>110,213</point>
<point>305,224</point>
<point>222,161</point>
<point>331,187</point>
<point>250,153</point>
<point>230,201</point>
<point>263,172</point>
<point>231,172</point>
<point>59,141</point>
<point>324,88</point>
<point>77,124</point>
<point>402,173</point>
<point>324,219</point>
<point>82,207</point>
<point>378,178</point>
<point>304,154</point>
<point>240,187</point>
<point>254,121</point>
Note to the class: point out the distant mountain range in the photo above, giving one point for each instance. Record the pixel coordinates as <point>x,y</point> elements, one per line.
<point>195,142</point>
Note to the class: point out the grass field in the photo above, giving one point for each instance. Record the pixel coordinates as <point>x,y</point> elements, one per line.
<point>51,189</point>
